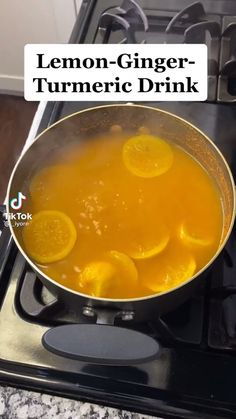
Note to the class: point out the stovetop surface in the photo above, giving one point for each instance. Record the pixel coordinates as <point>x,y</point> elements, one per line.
<point>194,377</point>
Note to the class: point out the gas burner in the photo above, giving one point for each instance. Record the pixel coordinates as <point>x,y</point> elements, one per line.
<point>123,18</point>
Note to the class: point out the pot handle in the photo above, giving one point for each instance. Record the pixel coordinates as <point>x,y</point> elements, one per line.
<point>101,344</point>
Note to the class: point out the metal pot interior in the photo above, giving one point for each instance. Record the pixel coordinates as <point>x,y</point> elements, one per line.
<point>96,121</point>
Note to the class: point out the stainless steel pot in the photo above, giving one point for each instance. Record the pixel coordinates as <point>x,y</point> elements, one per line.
<point>73,341</point>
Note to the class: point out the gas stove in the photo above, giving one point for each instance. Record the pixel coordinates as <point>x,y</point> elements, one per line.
<point>178,21</point>
<point>195,372</point>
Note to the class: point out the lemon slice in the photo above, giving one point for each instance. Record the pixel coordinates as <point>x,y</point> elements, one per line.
<point>49,237</point>
<point>177,267</point>
<point>147,156</point>
<point>124,265</point>
<point>98,276</point>
<point>191,239</point>
<point>105,277</point>
<point>147,252</point>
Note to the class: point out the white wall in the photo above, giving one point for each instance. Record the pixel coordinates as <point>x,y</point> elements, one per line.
<point>30,21</point>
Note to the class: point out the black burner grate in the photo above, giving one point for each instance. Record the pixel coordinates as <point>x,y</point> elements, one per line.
<point>227,78</point>
<point>130,23</point>
<point>222,325</point>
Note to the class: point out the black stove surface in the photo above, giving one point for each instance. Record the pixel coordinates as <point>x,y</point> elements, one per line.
<point>195,374</point>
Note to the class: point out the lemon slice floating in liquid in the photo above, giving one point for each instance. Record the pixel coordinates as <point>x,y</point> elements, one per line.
<point>125,266</point>
<point>49,236</point>
<point>100,278</point>
<point>145,251</point>
<point>191,239</point>
<point>147,156</point>
<point>177,267</point>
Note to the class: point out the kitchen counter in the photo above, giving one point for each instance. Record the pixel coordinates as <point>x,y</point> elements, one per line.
<point>21,404</point>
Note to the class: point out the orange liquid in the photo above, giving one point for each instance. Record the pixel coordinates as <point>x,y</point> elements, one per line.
<point>114,210</point>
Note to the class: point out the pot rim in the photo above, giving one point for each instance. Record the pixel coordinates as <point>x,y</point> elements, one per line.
<point>127,300</point>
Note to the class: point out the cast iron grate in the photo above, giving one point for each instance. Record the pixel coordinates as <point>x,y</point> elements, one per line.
<point>227,77</point>
<point>128,23</point>
<point>222,303</point>
<point>131,23</point>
